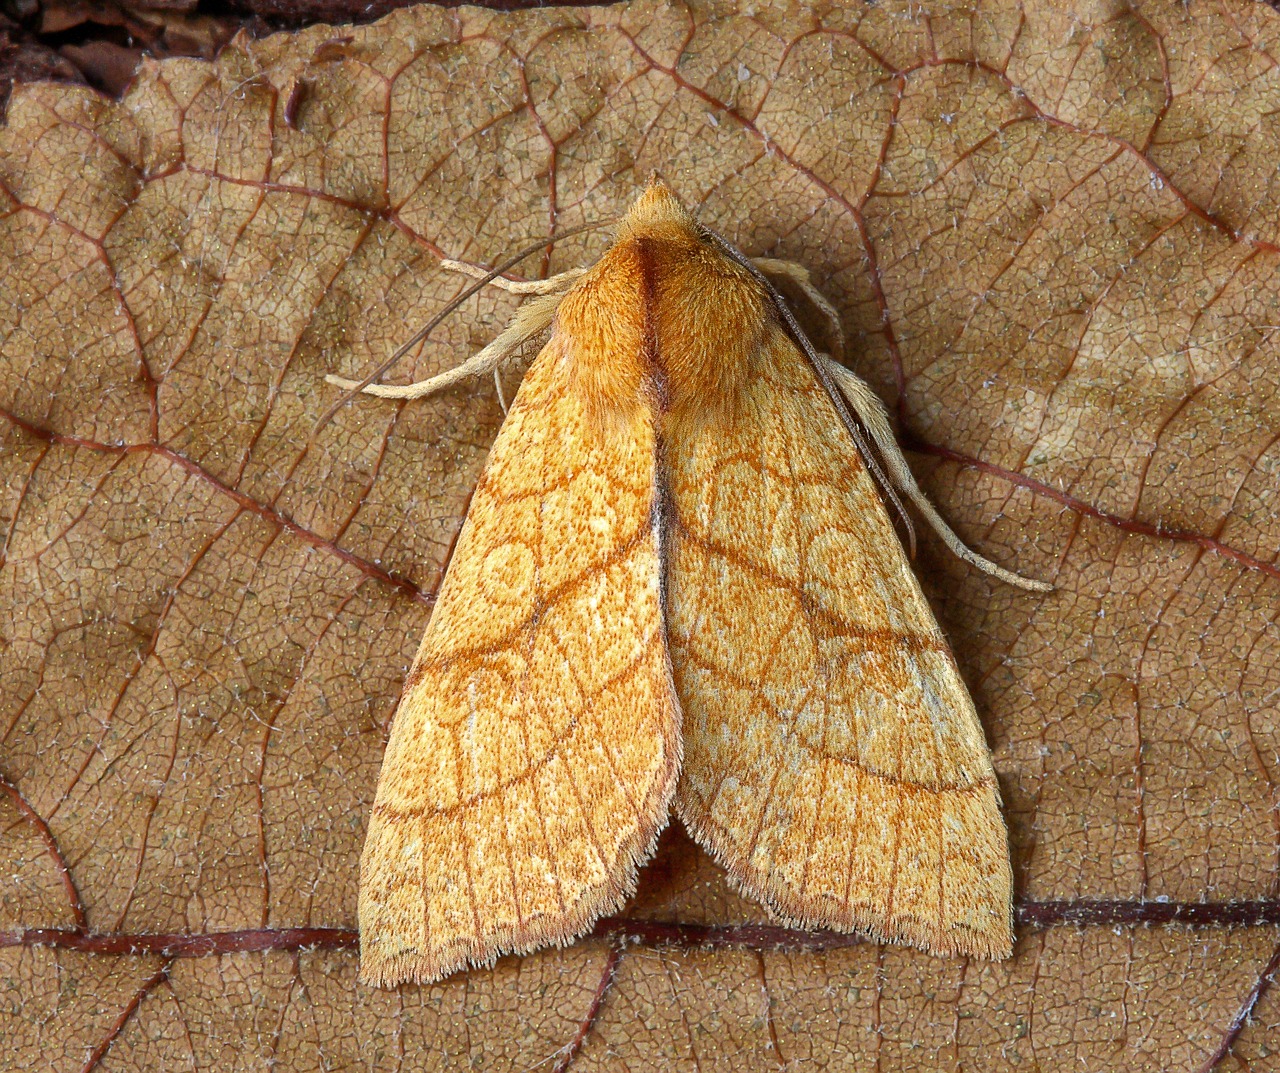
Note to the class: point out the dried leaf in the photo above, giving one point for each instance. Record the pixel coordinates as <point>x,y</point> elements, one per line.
<point>1053,238</point>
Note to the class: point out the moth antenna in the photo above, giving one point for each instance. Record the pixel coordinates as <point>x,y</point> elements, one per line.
<point>533,317</point>
<point>799,275</point>
<point>551,285</point>
<point>417,337</point>
<point>875,418</point>
<point>815,362</point>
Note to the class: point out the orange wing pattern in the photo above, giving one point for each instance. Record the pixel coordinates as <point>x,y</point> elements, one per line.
<point>834,763</point>
<point>537,744</point>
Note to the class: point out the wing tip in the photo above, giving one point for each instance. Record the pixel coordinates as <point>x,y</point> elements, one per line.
<point>991,939</point>
<point>428,965</point>
<point>939,938</point>
<point>425,964</point>
<point>421,965</point>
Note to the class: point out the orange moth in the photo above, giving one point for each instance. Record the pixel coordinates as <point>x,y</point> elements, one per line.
<point>677,585</point>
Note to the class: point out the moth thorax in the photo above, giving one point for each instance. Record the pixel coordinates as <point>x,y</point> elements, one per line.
<point>710,318</point>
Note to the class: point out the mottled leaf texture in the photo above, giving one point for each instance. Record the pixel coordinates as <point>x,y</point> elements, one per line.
<point>1053,240</point>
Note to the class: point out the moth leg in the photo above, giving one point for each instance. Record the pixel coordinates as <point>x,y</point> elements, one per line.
<point>531,319</point>
<point>550,285</point>
<point>497,385</point>
<point>799,275</point>
<point>875,419</point>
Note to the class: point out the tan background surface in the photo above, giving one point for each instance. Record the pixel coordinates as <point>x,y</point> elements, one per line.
<point>1054,243</point>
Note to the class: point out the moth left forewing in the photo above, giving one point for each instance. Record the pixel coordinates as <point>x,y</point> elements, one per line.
<point>834,762</point>
<point>536,746</point>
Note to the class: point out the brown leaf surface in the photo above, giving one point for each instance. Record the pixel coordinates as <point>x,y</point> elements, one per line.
<point>1054,241</point>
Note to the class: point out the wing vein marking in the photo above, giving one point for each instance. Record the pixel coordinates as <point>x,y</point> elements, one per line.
<point>467,845</point>
<point>506,826</point>
<point>533,785</point>
<point>813,829</point>
<point>715,793</point>
<point>914,642</point>
<point>621,677</point>
<point>622,783</point>
<point>775,648</point>
<point>791,738</point>
<point>764,814</point>
<point>587,698</point>
<point>569,774</point>
<point>910,787</point>
<point>897,845</point>
<point>823,754</point>
<point>506,641</point>
<point>586,822</point>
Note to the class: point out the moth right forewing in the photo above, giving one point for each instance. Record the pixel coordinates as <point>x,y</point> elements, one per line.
<point>834,762</point>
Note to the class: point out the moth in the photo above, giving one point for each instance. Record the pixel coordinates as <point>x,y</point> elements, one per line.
<point>677,586</point>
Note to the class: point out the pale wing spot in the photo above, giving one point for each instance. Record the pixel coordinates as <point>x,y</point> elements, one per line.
<point>695,467</point>
<point>506,581</point>
<point>741,800</point>
<point>472,684</point>
<point>953,734</point>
